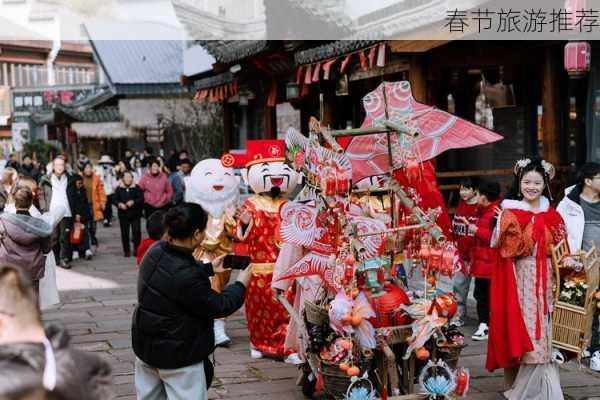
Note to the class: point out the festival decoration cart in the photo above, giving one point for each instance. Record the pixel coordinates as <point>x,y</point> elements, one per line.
<point>576,298</point>
<point>365,329</point>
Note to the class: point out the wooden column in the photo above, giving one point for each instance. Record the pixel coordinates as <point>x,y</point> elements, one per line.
<point>328,107</point>
<point>417,76</point>
<point>269,122</point>
<point>551,105</point>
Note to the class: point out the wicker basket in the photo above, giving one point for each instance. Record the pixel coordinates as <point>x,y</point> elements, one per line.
<point>335,381</point>
<point>315,314</point>
<point>571,324</point>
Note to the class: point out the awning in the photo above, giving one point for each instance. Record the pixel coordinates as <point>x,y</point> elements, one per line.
<point>145,113</point>
<point>102,130</point>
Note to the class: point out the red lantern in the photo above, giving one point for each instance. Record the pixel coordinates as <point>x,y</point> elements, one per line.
<point>577,57</point>
<point>328,182</point>
<point>387,306</point>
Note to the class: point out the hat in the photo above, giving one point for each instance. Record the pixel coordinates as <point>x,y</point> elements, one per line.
<point>105,159</point>
<point>257,151</point>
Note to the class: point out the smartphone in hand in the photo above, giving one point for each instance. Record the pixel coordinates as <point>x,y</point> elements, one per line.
<point>236,262</point>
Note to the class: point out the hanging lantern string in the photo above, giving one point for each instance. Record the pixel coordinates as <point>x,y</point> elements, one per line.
<point>344,55</point>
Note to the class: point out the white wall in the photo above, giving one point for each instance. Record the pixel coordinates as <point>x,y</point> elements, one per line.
<point>147,11</point>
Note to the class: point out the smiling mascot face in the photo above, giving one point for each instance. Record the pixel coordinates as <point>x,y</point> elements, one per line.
<point>213,186</point>
<point>271,177</point>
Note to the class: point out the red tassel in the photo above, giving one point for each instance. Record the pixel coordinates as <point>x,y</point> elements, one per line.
<point>308,75</point>
<point>381,55</point>
<point>363,61</point>
<point>327,68</point>
<point>317,71</point>
<point>372,53</point>
<point>299,74</point>
<point>305,90</point>
<point>234,87</point>
<point>344,65</point>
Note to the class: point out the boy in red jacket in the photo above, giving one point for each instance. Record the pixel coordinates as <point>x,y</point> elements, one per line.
<point>466,215</point>
<point>482,256</point>
<point>155,227</point>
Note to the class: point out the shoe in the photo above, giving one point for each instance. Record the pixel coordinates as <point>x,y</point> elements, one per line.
<point>88,254</point>
<point>221,338</point>
<point>95,242</point>
<point>481,333</point>
<point>457,322</point>
<point>557,356</point>
<point>64,264</point>
<point>595,361</point>
<point>293,359</point>
<point>106,223</point>
<point>255,354</point>
<point>75,255</point>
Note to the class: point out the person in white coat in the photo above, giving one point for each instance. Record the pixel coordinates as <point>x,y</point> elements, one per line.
<point>106,171</point>
<point>580,209</point>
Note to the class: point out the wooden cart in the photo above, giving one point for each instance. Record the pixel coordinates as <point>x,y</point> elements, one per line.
<point>571,324</point>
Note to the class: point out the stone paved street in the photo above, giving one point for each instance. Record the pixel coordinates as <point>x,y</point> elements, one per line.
<point>98,299</point>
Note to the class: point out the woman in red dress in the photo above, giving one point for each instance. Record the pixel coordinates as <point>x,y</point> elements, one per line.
<point>521,287</point>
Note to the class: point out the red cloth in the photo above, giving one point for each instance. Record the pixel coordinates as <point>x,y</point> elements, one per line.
<point>143,248</point>
<point>509,339</point>
<point>429,194</point>
<point>482,256</point>
<point>465,239</point>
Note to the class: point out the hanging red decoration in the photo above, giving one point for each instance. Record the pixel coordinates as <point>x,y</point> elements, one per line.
<point>387,307</point>
<point>577,57</point>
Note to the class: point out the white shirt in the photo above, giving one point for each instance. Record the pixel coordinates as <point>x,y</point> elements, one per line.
<point>59,194</point>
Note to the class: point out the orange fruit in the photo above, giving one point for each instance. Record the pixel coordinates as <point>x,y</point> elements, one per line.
<point>356,320</point>
<point>353,371</point>
<point>597,295</point>
<point>422,353</point>
<point>344,367</point>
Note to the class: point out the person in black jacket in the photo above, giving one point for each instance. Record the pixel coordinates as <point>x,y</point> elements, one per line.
<point>129,200</point>
<point>81,210</point>
<point>34,359</point>
<point>172,331</point>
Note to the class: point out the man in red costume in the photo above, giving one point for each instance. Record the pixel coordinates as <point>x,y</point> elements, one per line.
<point>258,224</point>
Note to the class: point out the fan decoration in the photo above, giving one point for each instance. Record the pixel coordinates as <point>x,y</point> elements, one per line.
<point>370,215</point>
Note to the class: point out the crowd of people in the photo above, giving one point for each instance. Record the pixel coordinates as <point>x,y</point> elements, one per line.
<point>50,215</point>
<point>137,185</point>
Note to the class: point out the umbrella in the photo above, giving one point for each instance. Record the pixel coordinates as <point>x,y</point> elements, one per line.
<point>438,131</point>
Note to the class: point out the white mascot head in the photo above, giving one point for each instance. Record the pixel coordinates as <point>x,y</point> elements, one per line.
<point>213,186</point>
<point>266,170</point>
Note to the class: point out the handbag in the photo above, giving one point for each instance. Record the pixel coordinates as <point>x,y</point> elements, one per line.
<point>76,235</point>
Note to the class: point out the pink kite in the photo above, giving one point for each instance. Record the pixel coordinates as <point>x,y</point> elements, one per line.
<point>438,131</point>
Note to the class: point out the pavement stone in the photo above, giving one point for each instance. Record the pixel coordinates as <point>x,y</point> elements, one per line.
<point>99,296</point>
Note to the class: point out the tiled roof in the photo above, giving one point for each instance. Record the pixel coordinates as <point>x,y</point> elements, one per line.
<point>137,61</point>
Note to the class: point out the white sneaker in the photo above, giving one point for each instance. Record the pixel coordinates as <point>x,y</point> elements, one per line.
<point>557,356</point>
<point>293,359</point>
<point>75,255</point>
<point>255,354</point>
<point>221,338</point>
<point>595,361</point>
<point>481,333</point>
<point>88,254</point>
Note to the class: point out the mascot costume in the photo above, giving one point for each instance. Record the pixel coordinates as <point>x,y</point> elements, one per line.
<point>258,226</point>
<point>216,188</point>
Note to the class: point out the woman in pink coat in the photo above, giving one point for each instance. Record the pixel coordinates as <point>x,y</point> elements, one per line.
<point>156,188</point>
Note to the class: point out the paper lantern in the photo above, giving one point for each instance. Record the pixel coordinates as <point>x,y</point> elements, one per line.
<point>577,58</point>
<point>387,306</point>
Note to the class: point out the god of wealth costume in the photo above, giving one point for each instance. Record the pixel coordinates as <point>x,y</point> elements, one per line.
<point>270,178</point>
<point>216,188</point>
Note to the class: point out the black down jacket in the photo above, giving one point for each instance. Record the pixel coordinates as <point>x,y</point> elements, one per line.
<point>173,322</point>
<point>79,375</point>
